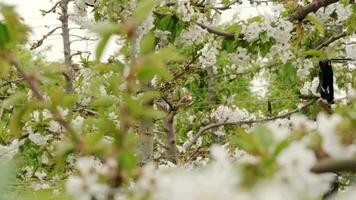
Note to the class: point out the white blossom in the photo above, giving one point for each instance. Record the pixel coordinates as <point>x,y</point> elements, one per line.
<point>39,139</point>
<point>8,152</point>
<point>332,144</point>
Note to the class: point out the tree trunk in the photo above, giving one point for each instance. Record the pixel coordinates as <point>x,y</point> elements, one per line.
<point>145,142</point>
<point>171,137</point>
<point>66,45</point>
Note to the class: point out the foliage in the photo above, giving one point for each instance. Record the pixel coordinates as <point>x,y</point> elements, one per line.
<point>180,83</point>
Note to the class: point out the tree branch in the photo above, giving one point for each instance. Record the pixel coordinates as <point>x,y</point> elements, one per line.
<point>238,123</point>
<point>51,10</point>
<point>40,42</point>
<point>216,31</point>
<point>302,12</point>
<point>298,15</point>
<point>331,40</point>
<point>329,165</point>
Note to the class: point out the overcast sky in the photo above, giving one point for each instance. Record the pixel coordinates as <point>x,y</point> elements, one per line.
<point>40,25</point>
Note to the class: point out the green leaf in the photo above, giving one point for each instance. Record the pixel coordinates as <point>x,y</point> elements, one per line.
<point>101,46</point>
<point>264,137</point>
<point>148,43</point>
<point>18,98</point>
<point>318,25</point>
<point>151,69</point>
<point>315,53</point>
<point>4,35</point>
<point>143,8</point>
<point>169,53</point>
<point>106,101</point>
<point>105,29</point>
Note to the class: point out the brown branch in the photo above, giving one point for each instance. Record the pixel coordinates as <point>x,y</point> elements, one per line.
<point>331,40</point>
<point>216,31</point>
<point>298,15</point>
<point>238,123</point>
<point>171,106</point>
<point>38,43</point>
<point>170,137</point>
<point>302,12</point>
<point>51,10</point>
<point>328,165</point>
<point>85,110</point>
<point>84,39</point>
<point>79,53</point>
<point>325,106</point>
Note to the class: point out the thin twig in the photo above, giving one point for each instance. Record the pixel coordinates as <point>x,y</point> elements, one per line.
<point>331,40</point>
<point>238,123</point>
<point>38,43</point>
<point>51,10</point>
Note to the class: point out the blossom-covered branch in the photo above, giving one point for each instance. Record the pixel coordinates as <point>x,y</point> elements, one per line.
<point>239,123</point>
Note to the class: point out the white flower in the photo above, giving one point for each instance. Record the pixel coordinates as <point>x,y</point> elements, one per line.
<point>40,186</point>
<point>331,140</point>
<point>87,186</point>
<point>351,51</point>
<point>44,158</point>
<point>193,35</point>
<point>280,132</point>
<point>244,157</point>
<point>77,122</point>
<point>8,152</point>
<point>301,122</point>
<point>163,37</point>
<point>36,115</point>
<point>310,87</point>
<point>226,114</point>
<point>40,175</point>
<point>103,90</point>
<point>295,163</point>
<point>54,126</point>
<point>218,153</point>
<point>209,53</point>
<point>75,186</point>
<point>39,139</point>
<point>251,32</point>
<point>305,89</point>
<point>185,9</point>
<point>303,73</point>
<point>348,194</point>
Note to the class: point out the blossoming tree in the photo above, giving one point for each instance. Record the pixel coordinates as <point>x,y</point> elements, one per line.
<point>195,103</point>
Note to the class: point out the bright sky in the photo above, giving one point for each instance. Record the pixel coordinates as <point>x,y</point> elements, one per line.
<point>40,25</point>
<point>30,11</point>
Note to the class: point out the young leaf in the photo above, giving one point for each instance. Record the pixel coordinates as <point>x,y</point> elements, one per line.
<point>318,25</point>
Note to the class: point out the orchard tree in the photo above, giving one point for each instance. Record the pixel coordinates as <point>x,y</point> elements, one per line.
<point>176,113</point>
